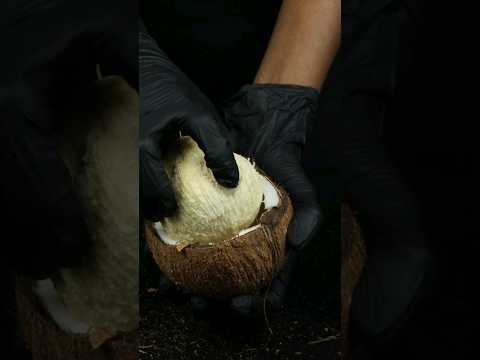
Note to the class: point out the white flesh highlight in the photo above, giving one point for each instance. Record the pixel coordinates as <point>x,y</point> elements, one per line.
<point>271,199</point>
<point>53,305</point>
<point>163,235</point>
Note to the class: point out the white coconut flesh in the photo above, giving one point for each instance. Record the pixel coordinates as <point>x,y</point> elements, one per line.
<point>209,213</point>
<point>51,301</point>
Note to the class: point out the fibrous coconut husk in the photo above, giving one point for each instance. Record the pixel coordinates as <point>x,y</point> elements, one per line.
<point>354,257</point>
<point>47,341</point>
<point>240,265</point>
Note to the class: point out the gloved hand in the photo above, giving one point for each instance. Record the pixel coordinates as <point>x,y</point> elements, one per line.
<point>171,103</point>
<point>44,220</point>
<point>270,124</point>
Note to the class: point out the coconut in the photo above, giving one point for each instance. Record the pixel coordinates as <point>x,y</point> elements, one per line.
<point>221,242</point>
<point>103,292</point>
<point>208,212</point>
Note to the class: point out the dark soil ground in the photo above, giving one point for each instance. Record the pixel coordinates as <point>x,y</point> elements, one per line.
<point>307,328</point>
<point>170,330</point>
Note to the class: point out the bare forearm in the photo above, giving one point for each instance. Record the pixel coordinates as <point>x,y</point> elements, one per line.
<point>303,44</point>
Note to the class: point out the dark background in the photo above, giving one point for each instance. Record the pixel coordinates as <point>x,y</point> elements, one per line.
<point>427,133</point>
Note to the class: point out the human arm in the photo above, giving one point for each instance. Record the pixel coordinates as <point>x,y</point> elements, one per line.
<point>303,44</point>
<point>271,119</point>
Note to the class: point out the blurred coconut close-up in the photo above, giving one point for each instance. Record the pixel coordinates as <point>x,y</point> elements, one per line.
<point>224,242</point>
<point>220,242</point>
<point>91,311</point>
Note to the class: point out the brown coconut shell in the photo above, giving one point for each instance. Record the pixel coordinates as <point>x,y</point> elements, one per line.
<point>354,257</point>
<point>241,265</point>
<point>47,341</point>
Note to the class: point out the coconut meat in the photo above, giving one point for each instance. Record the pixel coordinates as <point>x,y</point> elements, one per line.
<point>207,211</point>
<point>103,291</point>
<point>53,305</point>
<point>271,199</point>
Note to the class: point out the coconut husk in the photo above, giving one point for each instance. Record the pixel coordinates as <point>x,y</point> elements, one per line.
<point>48,342</point>
<point>354,257</point>
<point>241,265</point>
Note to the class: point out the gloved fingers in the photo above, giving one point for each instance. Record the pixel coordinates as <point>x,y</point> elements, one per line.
<point>305,223</point>
<point>286,170</point>
<point>279,287</point>
<point>246,306</point>
<point>39,194</point>
<point>164,284</point>
<point>276,296</point>
<point>251,306</point>
<point>199,304</point>
<point>218,152</point>
<point>157,195</point>
<point>281,283</point>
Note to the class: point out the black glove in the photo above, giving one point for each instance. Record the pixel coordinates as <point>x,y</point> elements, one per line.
<point>270,124</point>
<point>170,103</point>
